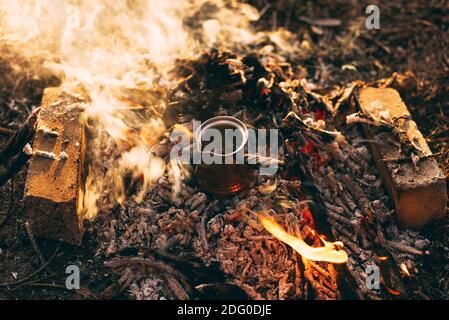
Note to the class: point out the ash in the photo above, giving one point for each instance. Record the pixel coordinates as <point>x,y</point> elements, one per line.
<point>176,242</point>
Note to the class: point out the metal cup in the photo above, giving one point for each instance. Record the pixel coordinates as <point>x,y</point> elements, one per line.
<point>230,175</point>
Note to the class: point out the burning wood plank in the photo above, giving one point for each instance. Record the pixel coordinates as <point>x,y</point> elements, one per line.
<point>52,191</point>
<point>412,177</point>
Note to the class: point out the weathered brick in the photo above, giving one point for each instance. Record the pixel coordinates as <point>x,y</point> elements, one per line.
<point>419,194</point>
<point>54,181</point>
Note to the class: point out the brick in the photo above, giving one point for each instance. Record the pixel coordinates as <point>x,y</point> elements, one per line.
<point>54,181</point>
<point>419,194</point>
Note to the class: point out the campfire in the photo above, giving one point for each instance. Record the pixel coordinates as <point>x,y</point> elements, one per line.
<point>182,151</point>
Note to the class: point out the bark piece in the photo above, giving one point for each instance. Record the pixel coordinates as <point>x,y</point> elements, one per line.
<point>53,187</point>
<point>418,188</point>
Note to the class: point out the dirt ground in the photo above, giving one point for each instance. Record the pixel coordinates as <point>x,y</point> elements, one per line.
<point>414,38</point>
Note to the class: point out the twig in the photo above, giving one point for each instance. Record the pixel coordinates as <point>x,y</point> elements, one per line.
<point>321,22</point>
<point>264,10</point>
<point>402,247</point>
<point>17,164</point>
<point>376,42</point>
<point>33,242</point>
<point>43,267</point>
<point>176,288</point>
<point>151,262</point>
<point>82,291</point>
<point>408,159</point>
<point>293,120</point>
<point>347,94</point>
<point>202,232</point>
<point>6,132</point>
<point>116,289</point>
<point>274,20</point>
<point>23,136</point>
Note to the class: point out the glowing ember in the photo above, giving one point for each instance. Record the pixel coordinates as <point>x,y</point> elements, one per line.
<point>392,291</point>
<point>331,252</point>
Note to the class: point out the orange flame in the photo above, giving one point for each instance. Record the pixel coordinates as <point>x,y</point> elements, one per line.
<point>328,253</point>
<point>405,269</point>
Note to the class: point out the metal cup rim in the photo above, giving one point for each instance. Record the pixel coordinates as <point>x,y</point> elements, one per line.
<point>236,122</point>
